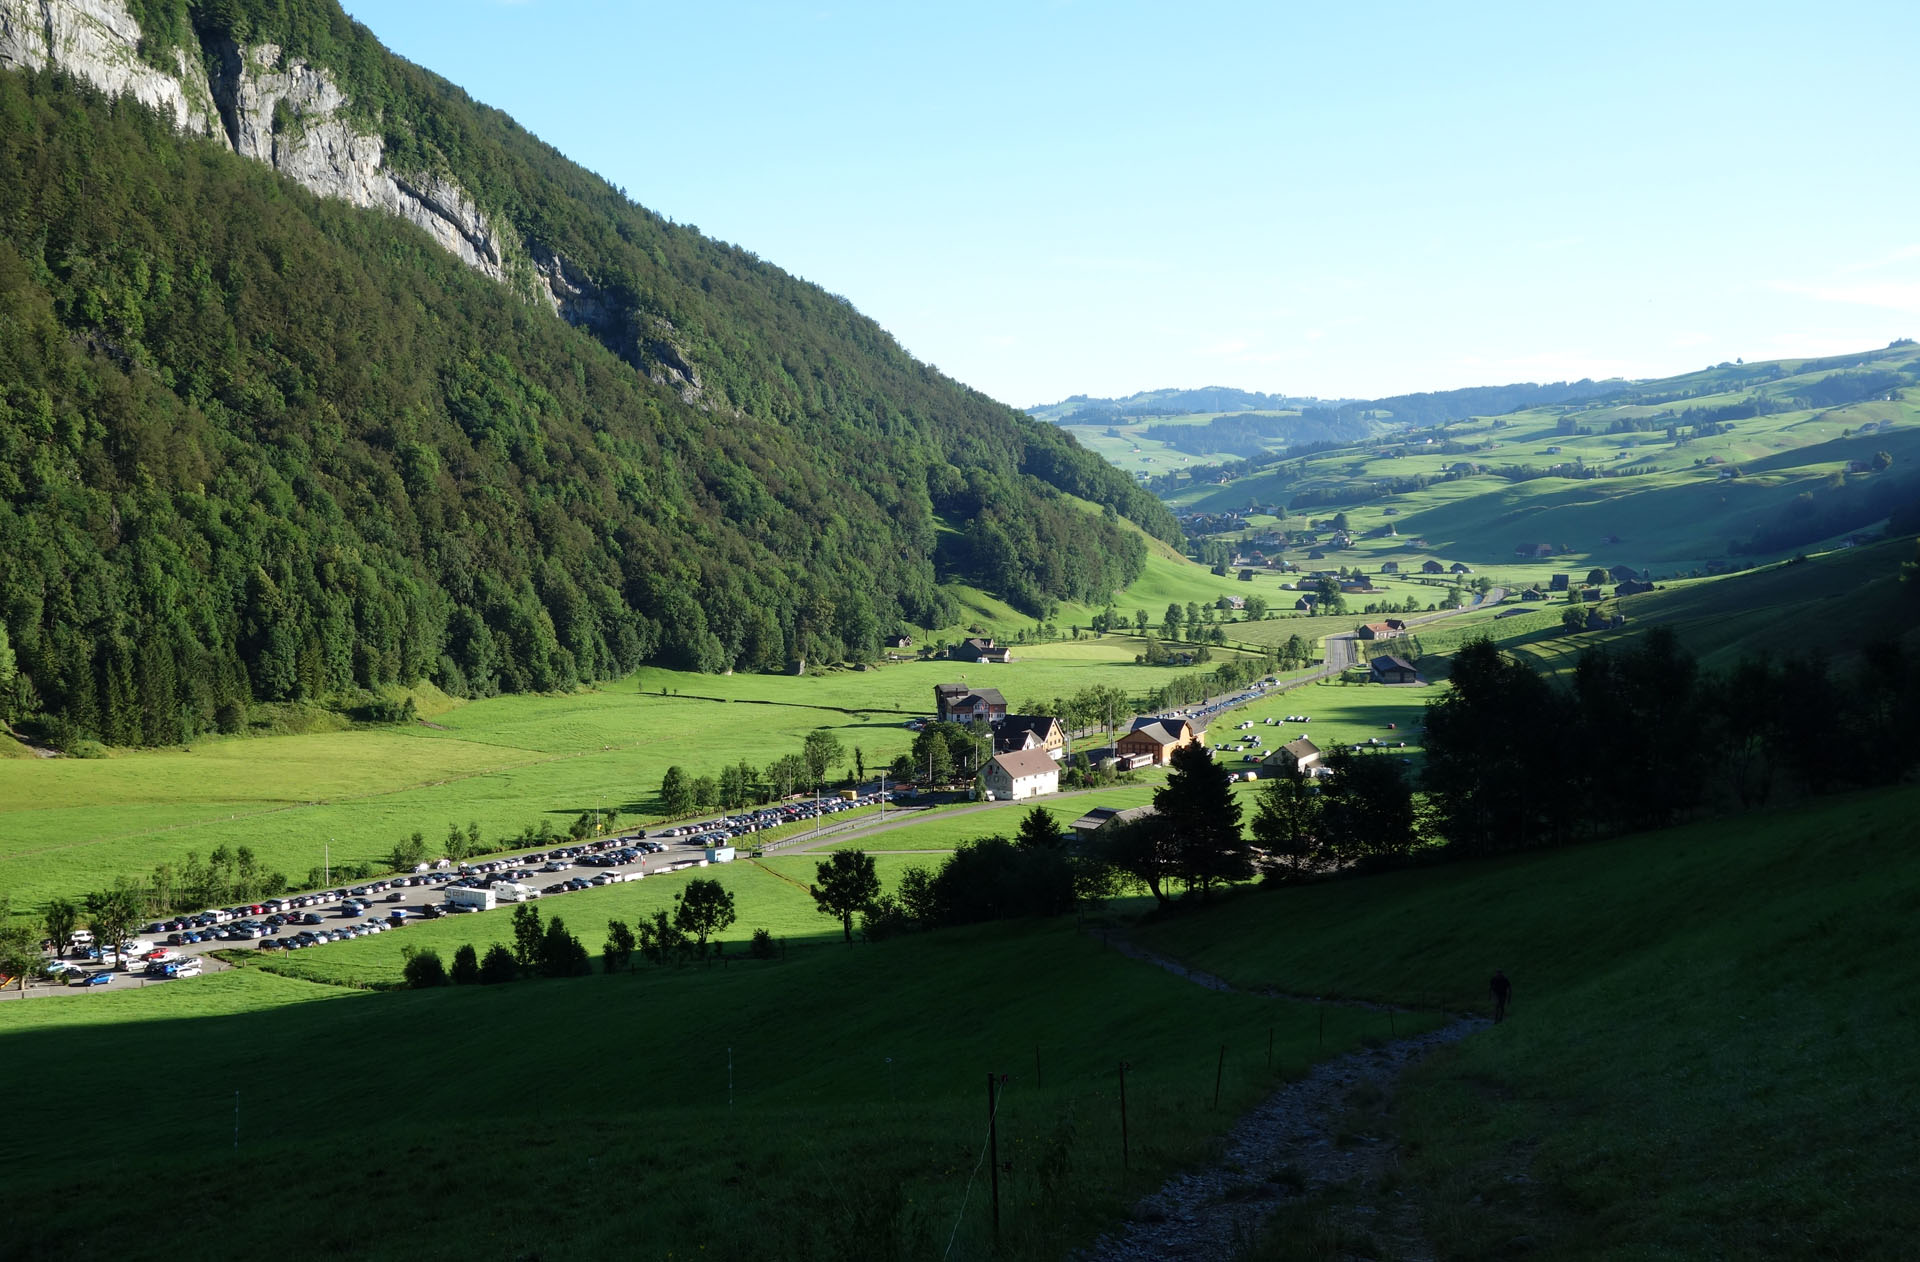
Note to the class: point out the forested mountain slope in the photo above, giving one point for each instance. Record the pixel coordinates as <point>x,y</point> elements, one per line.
<point>257,444</point>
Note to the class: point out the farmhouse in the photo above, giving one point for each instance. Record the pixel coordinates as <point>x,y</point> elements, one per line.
<point>1558,583</point>
<point>1306,603</point>
<point>1157,739</point>
<point>1031,731</point>
<point>1432,567</point>
<point>1301,756</point>
<point>899,641</point>
<point>1460,567</point>
<point>956,703</point>
<point>1027,773</point>
<point>1377,631</point>
<point>1389,567</point>
<point>976,649</point>
<point>1389,669</point>
<point>1533,593</point>
<point>1632,587</point>
<point>1100,817</point>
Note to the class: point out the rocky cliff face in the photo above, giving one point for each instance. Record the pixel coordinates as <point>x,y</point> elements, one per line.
<point>293,116</point>
<point>98,42</point>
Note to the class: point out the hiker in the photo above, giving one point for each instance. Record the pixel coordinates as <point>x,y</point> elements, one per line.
<point>1502,991</point>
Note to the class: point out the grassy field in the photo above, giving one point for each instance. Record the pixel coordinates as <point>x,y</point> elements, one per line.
<point>1684,1003</point>
<point>833,1103</point>
<point>1668,510</point>
<point>70,825</point>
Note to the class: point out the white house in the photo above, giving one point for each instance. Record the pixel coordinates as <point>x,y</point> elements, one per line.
<point>1024,773</point>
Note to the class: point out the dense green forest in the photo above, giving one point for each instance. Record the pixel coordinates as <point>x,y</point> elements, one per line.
<point>258,446</point>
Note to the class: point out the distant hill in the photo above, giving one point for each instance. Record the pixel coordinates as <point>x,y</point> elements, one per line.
<point>317,376</point>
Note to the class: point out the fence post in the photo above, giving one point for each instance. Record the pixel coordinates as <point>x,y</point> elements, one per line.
<point>1219,1071</point>
<point>993,1150</point>
<point>1123,1115</point>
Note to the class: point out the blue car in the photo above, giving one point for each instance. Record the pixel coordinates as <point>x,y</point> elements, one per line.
<point>98,979</point>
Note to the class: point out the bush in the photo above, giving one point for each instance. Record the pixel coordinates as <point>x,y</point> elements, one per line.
<point>466,965</point>
<point>762,947</point>
<point>424,969</point>
<point>560,954</point>
<point>498,966</point>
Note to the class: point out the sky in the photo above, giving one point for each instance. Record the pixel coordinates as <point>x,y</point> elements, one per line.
<point>1340,200</point>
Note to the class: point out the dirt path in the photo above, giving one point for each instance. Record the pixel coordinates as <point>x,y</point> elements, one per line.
<point>1133,950</point>
<point>1323,1142</point>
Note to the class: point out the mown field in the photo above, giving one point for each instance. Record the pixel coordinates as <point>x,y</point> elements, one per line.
<point>1710,1050</point>
<point>70,825</point>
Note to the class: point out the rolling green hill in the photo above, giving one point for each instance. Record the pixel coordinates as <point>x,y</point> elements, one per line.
<point>257,445</point>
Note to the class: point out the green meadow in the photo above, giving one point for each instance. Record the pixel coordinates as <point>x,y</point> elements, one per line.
<point>69,825</point>
<point>1710,1052</point>
<point>834,1101</point>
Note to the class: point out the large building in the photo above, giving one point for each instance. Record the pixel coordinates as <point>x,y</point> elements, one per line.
<point>1157,739</point>
<point>956,703</point>
<point>1031,731</point>
<point>1027,773</point>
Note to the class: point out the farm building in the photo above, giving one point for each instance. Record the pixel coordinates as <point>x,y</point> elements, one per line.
<point>1558,583</point>
<point>1432,567</point>
<point>976,649</point>
<point>1632,587</point>
<point>1306,603</point>
<point>1157,738</point>
<point>956,703</point>
<point>1301,755</point>
<point>1388,669</point>
<point>1377,631</point>
<point>1027,773</point>
<point>899,641</point>
<point>1389,567</point>
<point>1100,817</point>
<point>1460,567</point>
<point>1031,731</point>
<point>1533,593</point>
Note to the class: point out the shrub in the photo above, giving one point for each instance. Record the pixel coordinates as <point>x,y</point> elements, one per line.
<point>466,965</point>
<point>424,969</point>
<point>498,966</point>
<point>762,946</point>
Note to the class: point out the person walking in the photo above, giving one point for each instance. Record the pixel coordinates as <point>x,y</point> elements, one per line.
<point>1502,991</point>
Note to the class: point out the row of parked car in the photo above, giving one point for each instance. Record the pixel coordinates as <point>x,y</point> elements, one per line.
<point>727,828</point>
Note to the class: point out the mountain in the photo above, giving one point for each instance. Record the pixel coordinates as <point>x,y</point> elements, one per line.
<point>316,377</point>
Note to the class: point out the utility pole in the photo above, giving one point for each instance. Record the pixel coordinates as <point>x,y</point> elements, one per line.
<point>326,869</point>
<point>993,1150</point>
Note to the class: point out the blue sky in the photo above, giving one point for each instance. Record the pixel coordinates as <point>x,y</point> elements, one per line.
<point>1341,200</point>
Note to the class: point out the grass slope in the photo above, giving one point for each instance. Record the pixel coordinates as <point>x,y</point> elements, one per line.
<point>1711,1053</point>
<point>828,1106</point>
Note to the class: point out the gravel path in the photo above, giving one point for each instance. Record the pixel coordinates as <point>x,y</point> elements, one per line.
<point>1293,1145</point>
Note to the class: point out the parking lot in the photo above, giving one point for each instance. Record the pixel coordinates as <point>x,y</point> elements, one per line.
<point>176,947</point>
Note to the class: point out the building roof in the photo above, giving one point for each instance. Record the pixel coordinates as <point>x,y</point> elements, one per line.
<point>1389,661</point>
<point>1041,725</point>
<point>1300,750</point>
<point>1022,763</point>
<point>1100,816</point>
<point>950,690</point>
<point>968,701</point>
<point>1167,732</point>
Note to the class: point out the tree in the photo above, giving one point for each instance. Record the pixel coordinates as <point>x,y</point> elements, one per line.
<point>113,914</point>
<point>706,793</point>
<point>1366,808</point>
<point>845,884</point>
<point>1171,624</point>
<point>618,953</point>
<point>1198,804</point>
<point>1256,608</point>
<point>409,853</point>
<point>933,754</point>
<point>1882,461</point>
<point>1596,576</point>
<point>902,769</point>
<point>561,954</point>
<point>1573,618</point>
<point>497,966</point>
<point>1287,824</point>
<point>660,939</point>
<point>859,764</point>
<point>466,965</point>
<point>1039,830</point>
<point>20,955</point>
<point>705,908</point>
<point>62,918</point>
<point>1146,849</point>
<point>821,751</point>
<point>786,772</point>
<point>423,968</point>
<point>526,936</point>
<point>676,793</point>
<point>457,847</point>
